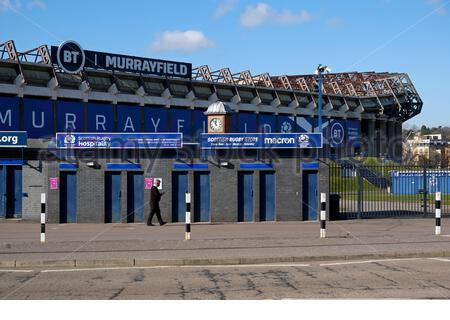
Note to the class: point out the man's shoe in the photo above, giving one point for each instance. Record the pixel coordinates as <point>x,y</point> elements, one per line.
<point>150,224</point>
<point>163,223</point>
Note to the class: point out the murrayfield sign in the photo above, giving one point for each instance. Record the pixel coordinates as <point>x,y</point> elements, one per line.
<point>71,57</point>
<point>261,141</point>
<point>119,140</point>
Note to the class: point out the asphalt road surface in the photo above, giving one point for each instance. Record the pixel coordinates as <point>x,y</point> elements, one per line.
<point>427,278</point>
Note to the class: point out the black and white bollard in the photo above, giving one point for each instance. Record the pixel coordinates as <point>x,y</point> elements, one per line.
<point>323,214</point>
<point>188,217</point>
<point>42,217</point>
<point>438,214</point>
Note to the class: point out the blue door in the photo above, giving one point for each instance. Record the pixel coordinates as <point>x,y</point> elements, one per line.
<point>11,191</point>
<point>179,189</point>
<point>113,197</point>
<point>245,196</point>
<point>68,197</point>
<point>309,195</point>
<point>267,196</point>
<point>201,197</point>
<point>135,197</point>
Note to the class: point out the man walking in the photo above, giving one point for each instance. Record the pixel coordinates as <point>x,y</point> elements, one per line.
<point>155,197</point>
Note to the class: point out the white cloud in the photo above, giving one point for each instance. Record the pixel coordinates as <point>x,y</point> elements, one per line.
<point>224,7</point>
<point>36,4</point>
<point>256,15</point>
<point>15,5</point>
<point>289,17</point>
<point>189,41</point>
<point>7,5</point>
<point>262,13</point>
<point>439,5</point>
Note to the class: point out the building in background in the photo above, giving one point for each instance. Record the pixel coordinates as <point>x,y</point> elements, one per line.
<point>428,148</point>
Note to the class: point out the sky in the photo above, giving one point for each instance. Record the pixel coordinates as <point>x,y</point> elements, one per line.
<point>279,37</point>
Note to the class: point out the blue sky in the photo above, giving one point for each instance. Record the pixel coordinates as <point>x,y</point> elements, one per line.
<point>279,37</point>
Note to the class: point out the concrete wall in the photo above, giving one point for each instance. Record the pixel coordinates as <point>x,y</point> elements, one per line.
<point>33,184</point>
<point>223,182</point>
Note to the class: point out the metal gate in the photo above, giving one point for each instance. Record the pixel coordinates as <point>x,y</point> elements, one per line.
<point>373,191</point>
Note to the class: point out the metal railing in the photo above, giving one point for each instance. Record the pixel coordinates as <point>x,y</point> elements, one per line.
<point>388,190</point>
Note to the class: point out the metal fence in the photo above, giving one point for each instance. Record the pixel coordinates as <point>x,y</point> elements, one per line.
<point>373,191</point>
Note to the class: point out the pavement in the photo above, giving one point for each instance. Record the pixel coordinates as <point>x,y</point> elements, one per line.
<point>130,245</point>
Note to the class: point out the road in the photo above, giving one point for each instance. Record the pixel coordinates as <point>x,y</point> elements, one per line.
<point>427,278</point>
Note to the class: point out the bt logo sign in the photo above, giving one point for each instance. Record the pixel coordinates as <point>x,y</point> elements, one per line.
<point>70,57</point>
<point>337,134</point>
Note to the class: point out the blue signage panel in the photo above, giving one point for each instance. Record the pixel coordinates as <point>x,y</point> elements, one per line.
<point>70,116</point>
<point>9,113</point>
<point>13,139</point>
<point>155,119</point>
<point>200,125</point>
<point>267,123</point>
<point>100,117</point>
<point>337,133</point>
<point>287,124</point>
<point>128,119</point>
<point>72,58</point>
<point>306,124</point>
<point>354,133</point>
<point>261,141</point>
<point>246,122</point>
<point>181,122</point>
<point>119,140</point>
<point>38,118</point>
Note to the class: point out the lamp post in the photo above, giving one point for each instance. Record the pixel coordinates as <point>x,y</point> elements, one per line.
<point>319,72</point>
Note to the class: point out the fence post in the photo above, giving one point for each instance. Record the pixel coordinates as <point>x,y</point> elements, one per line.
<point>438,214</point>
<point>425,193</point>
<point>188,217</point>
<point>43,218</point>
<point>359,192</point>
<point>323,214</point>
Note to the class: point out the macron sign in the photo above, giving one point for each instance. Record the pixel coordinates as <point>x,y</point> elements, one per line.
<point>71,58</point>
<point>261,141</point>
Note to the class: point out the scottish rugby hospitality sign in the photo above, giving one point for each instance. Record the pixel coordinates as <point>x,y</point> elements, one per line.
<point>261,141</point>
<point>119,140</point>
<point>71,58</point>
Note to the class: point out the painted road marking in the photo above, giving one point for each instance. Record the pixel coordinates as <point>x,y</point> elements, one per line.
<point>367,261</point>
<point>13,270</point>
<point>167,267</point>
<point>440,259</point>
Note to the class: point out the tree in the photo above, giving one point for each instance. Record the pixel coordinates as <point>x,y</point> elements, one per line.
<point>424,130</point>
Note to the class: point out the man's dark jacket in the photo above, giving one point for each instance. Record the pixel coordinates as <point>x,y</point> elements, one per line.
<point>155,196</point>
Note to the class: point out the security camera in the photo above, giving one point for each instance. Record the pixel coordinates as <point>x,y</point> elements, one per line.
<point>93,164</point>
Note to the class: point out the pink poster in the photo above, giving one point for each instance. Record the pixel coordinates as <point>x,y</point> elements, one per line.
<point>148,183</point>
<point>53,183</point>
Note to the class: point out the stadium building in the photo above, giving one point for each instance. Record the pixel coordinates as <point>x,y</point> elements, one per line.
<point>88,94</point>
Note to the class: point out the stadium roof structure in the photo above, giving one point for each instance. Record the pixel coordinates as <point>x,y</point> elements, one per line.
<point>364,94</point>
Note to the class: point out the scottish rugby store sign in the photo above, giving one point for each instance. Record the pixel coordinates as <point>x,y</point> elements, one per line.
<point>14,139</point>
<point>71,57</point>
<point>261,141</point>
<point>119,140</point>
